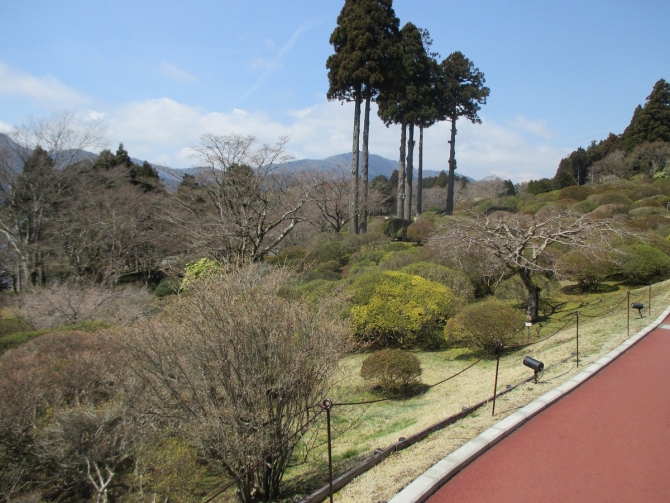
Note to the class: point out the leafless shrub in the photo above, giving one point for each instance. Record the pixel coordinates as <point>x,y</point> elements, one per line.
<point>241,367</point>
<point>58,411</point>
<point>69,304</point>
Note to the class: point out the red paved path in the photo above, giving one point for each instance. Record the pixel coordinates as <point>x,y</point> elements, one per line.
<point>606,441</point>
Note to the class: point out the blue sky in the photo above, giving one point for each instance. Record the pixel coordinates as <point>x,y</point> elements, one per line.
<point>160,74</point>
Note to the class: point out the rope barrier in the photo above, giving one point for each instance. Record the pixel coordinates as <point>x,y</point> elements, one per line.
<point>366,402</point>
<point>520,346</point>
<point>606,312</point>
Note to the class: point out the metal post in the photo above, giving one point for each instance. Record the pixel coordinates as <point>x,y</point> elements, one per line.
<point>328,404</point>
<point>577,313</point>
<point>649,299</point>
<point>403,218</point>
<point>499,346</point>
<point>628,311</point>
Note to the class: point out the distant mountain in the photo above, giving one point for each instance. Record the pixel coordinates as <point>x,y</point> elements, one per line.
<point>172,177</point>
<point>378,165</point>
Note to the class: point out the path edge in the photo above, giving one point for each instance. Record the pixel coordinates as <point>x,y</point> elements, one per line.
<point>424,486</point>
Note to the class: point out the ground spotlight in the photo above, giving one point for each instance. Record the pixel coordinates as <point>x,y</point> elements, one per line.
<point>536,365</point>
<point>639,306</point>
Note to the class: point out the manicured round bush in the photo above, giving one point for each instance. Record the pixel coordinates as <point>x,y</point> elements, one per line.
<point>609,210</point>
<point>642,264</point>
<point>403,310</point>
<point>167,286</point>
<point>577,192</point>
<point>456,280</point>
<point>391,369</point>
<point>585,206</point>
<point>588,269</point>
<point>611,197</point>
<point>480,325</point>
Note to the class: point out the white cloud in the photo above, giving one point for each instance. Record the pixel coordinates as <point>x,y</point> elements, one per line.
<point>162,130</point>
<point>47,90</point>
<point>177,74</point>
<point>537,128</point>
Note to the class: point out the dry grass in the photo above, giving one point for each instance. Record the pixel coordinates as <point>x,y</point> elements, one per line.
<point>358,430</point>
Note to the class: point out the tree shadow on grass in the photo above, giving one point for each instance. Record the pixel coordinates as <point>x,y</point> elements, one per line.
<point>577,290</point>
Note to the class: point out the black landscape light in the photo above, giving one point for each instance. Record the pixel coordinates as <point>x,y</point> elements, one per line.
<point>534,364</point>
<point>639,306</point>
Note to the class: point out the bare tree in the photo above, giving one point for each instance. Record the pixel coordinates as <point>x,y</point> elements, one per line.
<point>242,204</point>
<point>329,192</point>
<point>240,368</point>
<point>522,245</point>
<point>32,183</point>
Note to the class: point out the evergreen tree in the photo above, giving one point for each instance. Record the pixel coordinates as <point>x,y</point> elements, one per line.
<point>461,92</point>
<point>407,101</point>
<point>363,42</point>
<point>651,122</point>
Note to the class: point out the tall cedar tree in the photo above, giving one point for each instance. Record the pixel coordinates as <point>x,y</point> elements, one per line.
<point>363,42</point>
<point>406,101</point>
<point>462,93</point>
<point>428,114</point>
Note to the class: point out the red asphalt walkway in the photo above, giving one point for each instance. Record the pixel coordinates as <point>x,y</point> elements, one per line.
<point>606,441</point>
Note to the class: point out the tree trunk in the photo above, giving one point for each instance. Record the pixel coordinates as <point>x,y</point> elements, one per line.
<point>353,188</point>
<point>363,221</point>
<point>401,172</point>
<point>533,296</point>
<point>409,177</point>
<point>452,168</point>
<point>419,183</point>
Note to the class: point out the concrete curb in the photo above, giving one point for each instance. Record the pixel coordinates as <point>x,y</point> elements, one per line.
<point>436,476</point>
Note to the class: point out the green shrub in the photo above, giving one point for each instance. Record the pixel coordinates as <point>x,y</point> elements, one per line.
<point>456,280</point>
<point>167,286</point>
<point>589,270</point>
<point>609,210</point>
<point>362,286</point>
<point>202,268</point>
<point>332,250</point>
<point>533,208</point>
<point>585,206</point>
<point>396,247</point>
<point>391,369</point>
<point>403,310</point>
<point>420,230</point>
<point>651,223</point>
<point>577,192</point>
<point>480,325</point>
<point>642,264</point>
<point>647,211</point>
<point>330,266</point>
<point>398,260</point>
<point>611,197</point>
<point>435,209</point>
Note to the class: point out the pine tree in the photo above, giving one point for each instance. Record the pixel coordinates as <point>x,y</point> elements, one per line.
<point>363,42</point>
<point>461,92</point>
